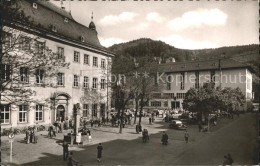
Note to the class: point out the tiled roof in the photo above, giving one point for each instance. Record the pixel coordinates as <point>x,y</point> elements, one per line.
<point>202,65</point>
<point>48,15</point>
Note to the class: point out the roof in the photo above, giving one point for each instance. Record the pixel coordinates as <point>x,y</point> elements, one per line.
<point>48,15</point>
<point>202,65</point>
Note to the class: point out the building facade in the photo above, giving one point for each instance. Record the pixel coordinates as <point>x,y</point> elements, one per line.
<point>176,78</point>
<point>85,81</point>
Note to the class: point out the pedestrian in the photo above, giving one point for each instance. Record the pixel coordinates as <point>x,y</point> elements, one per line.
<point>65,150</point>
<point>35,135</point>
<point>137,129</point>
<point>186,136</point>
<point>91,123</point>
<point>200,126</point>
<point>150,120</point>
<point>31,135</point>
<point>27,138</point>
<point>89,137</point>
<point>123,123</point>
<point>230,159</point>
<point>226,161</point>
<point>164,138</point>
<point>99,152</point>
<point>61,126</point>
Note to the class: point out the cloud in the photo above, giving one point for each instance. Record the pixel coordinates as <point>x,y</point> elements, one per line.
<point>113,19</point>
<point>141,26</point>
<point>198,18</point>
<point>107,42</point>
<point>179,42</point>
<point>154,17</point>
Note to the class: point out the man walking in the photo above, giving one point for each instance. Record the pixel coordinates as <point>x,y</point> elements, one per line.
<point>65,150</point>
<point>186,136</point>
<point>99,152</point>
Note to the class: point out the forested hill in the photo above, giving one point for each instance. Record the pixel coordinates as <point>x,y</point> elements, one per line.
<point>147,47</point>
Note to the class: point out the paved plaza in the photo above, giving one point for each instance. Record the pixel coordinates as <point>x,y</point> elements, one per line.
<point>237,136</point>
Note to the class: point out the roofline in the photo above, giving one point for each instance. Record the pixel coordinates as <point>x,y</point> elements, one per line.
<point>42,32</point>
<point>217,69</point>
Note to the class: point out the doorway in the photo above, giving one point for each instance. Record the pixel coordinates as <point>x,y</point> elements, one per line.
<point>175,104</point>
<point>60,113</point>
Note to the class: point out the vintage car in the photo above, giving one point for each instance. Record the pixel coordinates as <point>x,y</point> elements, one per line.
<point>177,124</point>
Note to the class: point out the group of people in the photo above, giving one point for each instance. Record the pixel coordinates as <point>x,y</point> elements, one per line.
<point>228,160</point>
<point>31,135</point>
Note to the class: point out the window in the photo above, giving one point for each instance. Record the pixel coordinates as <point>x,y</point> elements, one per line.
<point>168,95</point>
<point>212,77</point>
<point>103,63</point>
<point>95,60</point>
<point>5,72</point>
<point>156,95</point>
<point>156,103</point>
<point>85,82</point>
<point>94,110</point>
<point>60,52</point>
<point>39,76</point>
<point>197,80</point>
<point>103,83</point>
<point>5,114</point>
<point>76,56</point>
<point>35,5</point>
<point>40,47</point>
<point>102,110</point>
<point>7,40</point>
<point>39,113</point>
<point>86,59</point>
<point>169,81</point>
<point>24,77</point>
<point>24,43</point>
<point>180,95</point>
<point>85,110</point>
<point>182,80</point>
<point>76,81</point>
<point>60,79</point>
<point>95,80</point>
<point>23,109</point>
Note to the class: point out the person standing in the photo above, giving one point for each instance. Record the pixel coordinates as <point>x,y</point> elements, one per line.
<point>99,152</point>
<point>31,135</point>
<point>27,136</point>
<point>186,136</point>
<point>35,135</point>
<point>226,161</point>
<point>65,150</point>
<point>164,138</point>
<point>230,159</point>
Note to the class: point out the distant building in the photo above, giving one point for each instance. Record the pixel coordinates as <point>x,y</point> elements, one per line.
<point>90,65</point>
<point>176,78</point>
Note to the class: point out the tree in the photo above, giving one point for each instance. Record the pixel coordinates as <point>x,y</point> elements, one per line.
<point>24,56</point>
<point>207,99</point>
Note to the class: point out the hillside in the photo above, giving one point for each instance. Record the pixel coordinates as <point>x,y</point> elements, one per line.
<point>147,47</point>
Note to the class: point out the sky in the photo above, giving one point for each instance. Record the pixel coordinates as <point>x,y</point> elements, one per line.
<point>182,24</point>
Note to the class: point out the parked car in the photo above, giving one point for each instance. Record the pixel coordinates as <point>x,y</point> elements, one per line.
<point>178,125</point>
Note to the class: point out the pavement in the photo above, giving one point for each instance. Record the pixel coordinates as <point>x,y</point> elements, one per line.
<point>236,136</point>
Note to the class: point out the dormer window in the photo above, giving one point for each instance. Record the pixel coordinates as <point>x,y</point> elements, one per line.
<point>66,19</point>
<point>34,5</point>
<point>54,28</point>
<point>81,38</point>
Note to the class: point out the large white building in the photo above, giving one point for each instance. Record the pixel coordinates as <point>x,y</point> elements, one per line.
<point>84,82</point>
<point>176,78</point>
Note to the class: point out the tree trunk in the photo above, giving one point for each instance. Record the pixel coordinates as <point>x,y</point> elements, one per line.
<point>136,108</point>
<point>121,121</point>
<point>140,113</point>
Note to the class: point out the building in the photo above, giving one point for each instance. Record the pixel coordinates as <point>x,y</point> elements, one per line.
<point>176,78</point>
<point>84,82</point>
